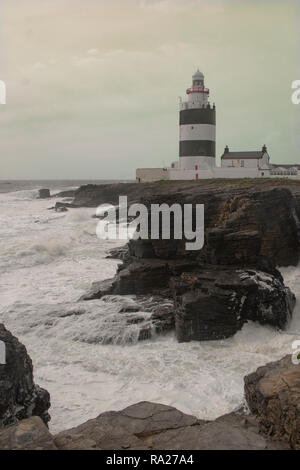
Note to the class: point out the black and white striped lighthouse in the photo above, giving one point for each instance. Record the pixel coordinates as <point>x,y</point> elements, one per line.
<point>197,128</point>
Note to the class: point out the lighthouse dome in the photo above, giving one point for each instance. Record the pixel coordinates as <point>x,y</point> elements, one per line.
<point>198,75</point>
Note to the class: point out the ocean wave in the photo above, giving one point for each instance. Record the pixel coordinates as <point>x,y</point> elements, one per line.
<point>50,265</point>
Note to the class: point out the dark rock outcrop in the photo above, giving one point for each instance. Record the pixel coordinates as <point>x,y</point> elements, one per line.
<point>240,229</point>
<point>92,195</point>
<point>250,227</point>
<point>20,397</point>
<point>215,303</point>
<point>44,193</point>
<point>60,208</point>
<point>66,193</point>
<point>141,277</point>
<point>273,395</point>
<point>210,302</point>
<point>118,253</point>
<point>245,220</point>
<point>63,206</point>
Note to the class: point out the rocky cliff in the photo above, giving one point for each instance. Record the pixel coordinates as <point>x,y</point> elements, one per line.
<point>20,397</point>
<point>251,226</point>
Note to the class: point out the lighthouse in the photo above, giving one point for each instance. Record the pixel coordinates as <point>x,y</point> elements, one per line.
<point>197,142</point>
<point>197,121</point>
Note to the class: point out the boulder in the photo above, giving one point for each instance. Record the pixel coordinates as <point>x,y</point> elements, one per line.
<point>20,397</point>
<point>214,303</point>
<point>29,434</point>
<point>44,193</point>
<point>61,209</point>
<point>273,395</point>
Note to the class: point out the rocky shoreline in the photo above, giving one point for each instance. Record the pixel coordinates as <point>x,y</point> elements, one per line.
<point>272,394</point>
<point>251,229</point>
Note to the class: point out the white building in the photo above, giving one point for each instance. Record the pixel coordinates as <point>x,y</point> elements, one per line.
<point>197,144</point>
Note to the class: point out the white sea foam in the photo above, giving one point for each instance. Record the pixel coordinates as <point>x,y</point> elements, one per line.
<point>47,261</point>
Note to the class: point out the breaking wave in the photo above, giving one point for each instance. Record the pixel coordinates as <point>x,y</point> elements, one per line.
<point>88,354</point>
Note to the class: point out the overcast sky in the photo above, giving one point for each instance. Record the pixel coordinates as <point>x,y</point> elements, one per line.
<point>93,85</point>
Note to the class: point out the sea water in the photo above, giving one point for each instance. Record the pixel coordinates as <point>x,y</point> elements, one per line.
<point>47,261</point>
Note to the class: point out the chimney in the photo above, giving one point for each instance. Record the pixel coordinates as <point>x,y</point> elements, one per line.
<point>226,150</point>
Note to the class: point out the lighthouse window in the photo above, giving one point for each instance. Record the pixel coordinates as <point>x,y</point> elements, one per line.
<point>192,127</point>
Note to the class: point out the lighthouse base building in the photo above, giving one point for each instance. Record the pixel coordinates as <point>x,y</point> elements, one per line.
<point>197,147</point>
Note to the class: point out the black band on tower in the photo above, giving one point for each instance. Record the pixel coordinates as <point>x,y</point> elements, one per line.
<point>198,116</point>
<point>195,148</point>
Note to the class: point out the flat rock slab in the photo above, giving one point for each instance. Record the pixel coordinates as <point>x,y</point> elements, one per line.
<point>126,429</point>
<point>28,434</point>
<point>148,425</point>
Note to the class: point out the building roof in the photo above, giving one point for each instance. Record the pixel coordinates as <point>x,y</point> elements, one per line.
<point>242,155</point>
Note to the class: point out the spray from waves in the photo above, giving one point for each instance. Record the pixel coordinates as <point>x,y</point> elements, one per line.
<point>44,253</point>
<point>88,354</point>
<point>80,216</point>
<point>56,191</point>
<point>291,277</point>
<point>86,377</point>
<point>100,322</point>
<point>24,195</point>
